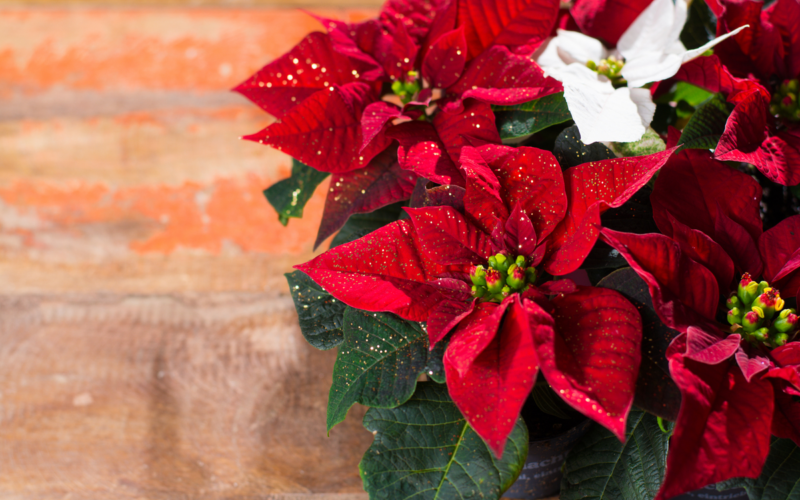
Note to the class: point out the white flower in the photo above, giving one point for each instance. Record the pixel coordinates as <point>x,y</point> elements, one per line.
<point>652,51</point>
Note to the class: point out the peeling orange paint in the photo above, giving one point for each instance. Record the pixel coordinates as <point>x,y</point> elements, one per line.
<point>126,49</point>
<point>228,211</point>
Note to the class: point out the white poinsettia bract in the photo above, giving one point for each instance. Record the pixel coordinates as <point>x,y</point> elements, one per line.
<point>608,101</point>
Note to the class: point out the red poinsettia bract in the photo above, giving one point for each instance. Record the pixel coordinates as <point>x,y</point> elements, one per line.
<point>758,70</point>
<point>424,76</point>
<point>474,269</point>
<point>737,379</point>
<point>606,20</point>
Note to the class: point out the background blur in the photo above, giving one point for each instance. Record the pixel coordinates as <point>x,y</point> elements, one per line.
<point>148,343</point>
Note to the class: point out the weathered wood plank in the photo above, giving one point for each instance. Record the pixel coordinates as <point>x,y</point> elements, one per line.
<point>148,346</point>
<point>204,395</point>
<point>128,49</point>
<point>189,4</point>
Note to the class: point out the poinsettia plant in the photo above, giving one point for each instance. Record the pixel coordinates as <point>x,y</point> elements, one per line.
<point>545,214</point>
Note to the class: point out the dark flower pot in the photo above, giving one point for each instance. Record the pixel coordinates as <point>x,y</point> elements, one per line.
<point>711,493</point>
<point>551,438</point>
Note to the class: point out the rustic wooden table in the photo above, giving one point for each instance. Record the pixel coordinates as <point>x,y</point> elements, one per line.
<point>148,344</point>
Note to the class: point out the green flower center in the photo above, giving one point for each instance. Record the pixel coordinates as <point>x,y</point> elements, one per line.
<point>756,311</point>
<point>611,68</point>
<point>408,87</point>
<point>502,278</point>
<point>784,101</point>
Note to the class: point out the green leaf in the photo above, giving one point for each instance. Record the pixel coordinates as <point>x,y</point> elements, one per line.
<point>570,151</point>
<point>426,450</point>
<point>690,94</point>
<point>435,368</point>
<point>780,477</point>
<point>516,123</point>
<point>649,144</point>
<point>290,196</point>
<point>635,216</point>
<point>359,225</point>
<point>319,313</point>
<point>700,27</point>
<point>707,124</point>
<point>602,468</point>
<point>549,402</point>
<point>378,363</point>
<point>655,390</point>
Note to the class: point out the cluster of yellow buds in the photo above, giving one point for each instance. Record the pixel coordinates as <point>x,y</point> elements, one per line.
<point>757,309</point>
<point>502,278</point>
<point>611,68</point>
<point>406,90</point>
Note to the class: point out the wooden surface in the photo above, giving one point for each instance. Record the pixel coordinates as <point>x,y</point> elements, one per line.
<point>148,345</point>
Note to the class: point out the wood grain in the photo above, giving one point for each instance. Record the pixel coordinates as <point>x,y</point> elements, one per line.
<point>204,395</point>
<point>148,345</point>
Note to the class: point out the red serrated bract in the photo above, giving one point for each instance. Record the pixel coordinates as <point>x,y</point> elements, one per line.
<point>786,419</point>
<point>592,357</point>
<point>310,66</point>
<point>499,77</point>
<point>533,178</point>
<point>324,131</point>
<point>684,292</point>
<point>517,24</point>
<point>402,55</point>
<point>381,183</point>
<point>491,390</point>
<point>607,19</point>
<point>706,185</point>
<point>467,125</point>
<point>739,244</point>
<point>723,428</point>
<point>591,189</point>
<point>422,152</point>
<point>383,271</point>
<point>482,201</point>
<point>374,119</point>
<point>698,246</point>
<point>448,238</point>
<point>779,249</point>
<point>444,62</point>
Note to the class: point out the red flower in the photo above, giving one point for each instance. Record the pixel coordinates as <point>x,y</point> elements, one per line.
<point>421,75</point>
<point>736,380</point>
<point>607,20</point>
<point>764,128</point>
<point>465,267</point>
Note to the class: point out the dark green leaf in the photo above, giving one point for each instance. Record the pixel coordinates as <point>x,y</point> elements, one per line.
<point>780,477</point>
<point>602,468</point>
<point>359,225</point>
<point>290,196</point>
<point>700,27</point>
<point>635,216</point>
<point>515,123</point>
<point>549,402</point>
<point>706,124</point>
<point>571,151</point>
<point>319,313</point>
<point>655,390</point>
<point>435,368</point>
<point>426,450</point>
<point>664,117</point>
<point>378,363</point>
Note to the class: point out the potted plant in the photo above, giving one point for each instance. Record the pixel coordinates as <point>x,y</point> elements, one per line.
<point>565,242</point>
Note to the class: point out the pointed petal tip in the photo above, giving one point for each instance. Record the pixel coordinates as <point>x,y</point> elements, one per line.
<point>497,448</point>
